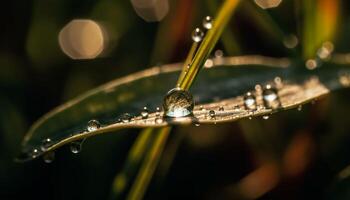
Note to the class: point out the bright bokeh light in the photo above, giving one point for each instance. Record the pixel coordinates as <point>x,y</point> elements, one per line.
<point>151,10</point>
<point>82,39</point>
<point>265,4</point>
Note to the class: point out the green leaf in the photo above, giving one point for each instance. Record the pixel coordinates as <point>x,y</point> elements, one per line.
<point>221,85</point>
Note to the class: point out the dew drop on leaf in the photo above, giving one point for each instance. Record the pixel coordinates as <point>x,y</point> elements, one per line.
<point>197,35</point>
<point>35,153</point>
<point>270,97</point>
<point>178,103</point>
<point>208,22</point>
<point>300,107</point>
<point>93,125</point>
<point>126,117</point>
<point>49,157</point>
<point>212,113</point>
<point>46,143</point>
<point>144,113</point>
<point>159,120</point>
<point>249,101</point>
<point>76,146</point>
<point>265,117</point>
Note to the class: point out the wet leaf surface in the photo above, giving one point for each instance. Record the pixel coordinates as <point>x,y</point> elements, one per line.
<point>220,95</point>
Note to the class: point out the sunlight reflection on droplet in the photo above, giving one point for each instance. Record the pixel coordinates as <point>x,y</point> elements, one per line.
<point>82,39</point>
<point>265,4</point>
<point>151,10</point>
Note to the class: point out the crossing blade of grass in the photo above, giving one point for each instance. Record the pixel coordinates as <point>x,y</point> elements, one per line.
<point>209,42</point>
<point>134,159</point>
<point>185,81</point>
<point>149,165</point>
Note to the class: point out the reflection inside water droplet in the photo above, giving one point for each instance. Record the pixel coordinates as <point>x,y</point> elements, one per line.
<point>249,101</point>
<point>76,146</point>
<point>49,157</point>
<point>93,125</point>
<point>178,103</point>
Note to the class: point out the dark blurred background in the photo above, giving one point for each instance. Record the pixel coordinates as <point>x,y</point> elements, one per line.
<point>53,50</point>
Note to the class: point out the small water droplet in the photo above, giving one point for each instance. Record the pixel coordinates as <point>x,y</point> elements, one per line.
<point>249,101</point>
<point>249,117</point>
<point>300,107</point>
<point>208,22</point>
<point>197,35</point>
<point>76,146</point>
<point>270,97</point>
<point>212,113</point>
<point>219,53</point>
<point>159,120</point>
<point>49,157</point>
<point>221,108</point>
<point>35,153</point>
<point>209,63</point>
<point>126,117</point>
<point>178,103</point>
<point>93,125</point>
<point>46,143</point>
<point>197,124</point>
<point>265,117</point>
<point>144,113</point>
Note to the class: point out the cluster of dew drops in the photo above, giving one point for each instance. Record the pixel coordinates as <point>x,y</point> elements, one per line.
<point>178,103</point>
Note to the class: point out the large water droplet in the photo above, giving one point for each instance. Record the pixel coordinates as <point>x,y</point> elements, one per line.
<point>49,157</point>
<point>93,125</point>
<point>76,146</point>
<point>178,103</point>
<point>208,22</point>
<point>197,35</point>
<point>144,113</point>
<point>249,101</point>
<point>270,97</point>
<point>46,143</point>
